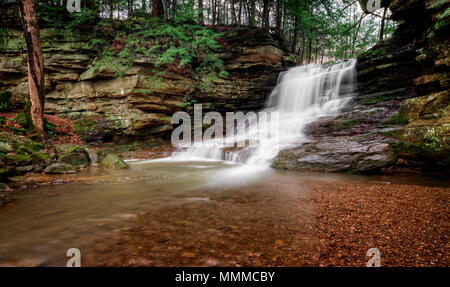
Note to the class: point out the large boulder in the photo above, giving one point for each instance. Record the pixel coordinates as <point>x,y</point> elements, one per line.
<point>114,161</point>
<point>336,155</point>
<point>60,168</point>
<point>73,154</point>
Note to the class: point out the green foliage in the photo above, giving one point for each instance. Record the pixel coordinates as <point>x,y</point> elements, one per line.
<point>51,16</point>
<point>86,17</point>
<point>181,44</point>
<point>396,119</point>
<point>5,101</point>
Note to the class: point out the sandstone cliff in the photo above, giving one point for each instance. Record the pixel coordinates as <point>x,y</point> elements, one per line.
<point>136,105</point>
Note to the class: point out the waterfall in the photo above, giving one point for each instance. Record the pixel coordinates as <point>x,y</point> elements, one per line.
<point>302,95</point>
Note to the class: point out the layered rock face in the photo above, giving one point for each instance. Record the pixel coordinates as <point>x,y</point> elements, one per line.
<point>415,65</point>
<point>136,105</point>
<point>400,116</point>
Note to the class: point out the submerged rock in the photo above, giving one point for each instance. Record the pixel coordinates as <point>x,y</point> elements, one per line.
<point>114,161</point>
<point>60,168</point>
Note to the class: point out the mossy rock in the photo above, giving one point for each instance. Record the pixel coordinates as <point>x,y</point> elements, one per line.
<point>68,148</point>
<point>17,159</point>
<point>14,140</point>
<point>8,172</point>
<point>5,147</point>
<point>75,158</point>
<point>93,129</point>
<point>114,161</point>
<point>60,168</point>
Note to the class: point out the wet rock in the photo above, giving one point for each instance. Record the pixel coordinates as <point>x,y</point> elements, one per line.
<point>60,168</point>
<point>114,161</point>
<point>7,172</point>
<point>73,154</point>
<point>4,199</point>
<point>336,155</point>
<point>75,158</point>
<point>28,168</point>
<point>14,140</point>
<point>93,156</point>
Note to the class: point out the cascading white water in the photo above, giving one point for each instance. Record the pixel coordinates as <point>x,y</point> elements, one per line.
<point>303,94</point>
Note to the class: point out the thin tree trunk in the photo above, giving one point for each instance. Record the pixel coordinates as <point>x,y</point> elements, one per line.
<point>174,7</point>
<point>201,17</point>
<point>303,50</point>
<point>233,12</point>
<point>158,9</point>
<point>144,5</point>
<point>111,8</point>
<point>309,51</point>
<point>130,9</point>
<point>35,62</point>
<point>382,25</point>
<point>240,13</point>
<point>294,41</point>
<point>252,21</point>
<point>266,9</point>
<point>214,3</point>
<point>278,12</point>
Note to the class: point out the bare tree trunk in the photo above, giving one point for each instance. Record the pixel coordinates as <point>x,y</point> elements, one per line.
<point>111,8</point>
<point>174,7</point>
<point>252,21</point>
<point>240,13</point>
<point>266,9</point>
<point>382,25</point>
<point>309,51</point>
<point>144,5</point>
<point>294,41</point>
<point>158,9</point>
<point>214,3</point>
<point>233,12</point>
<point>278,12</point>
<point>201,17</point>
<point>35,62</point>
<point>303,49</point>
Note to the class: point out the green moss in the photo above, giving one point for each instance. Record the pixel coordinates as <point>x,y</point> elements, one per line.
<point>75,149</point>
<point>18,159</point>
<point>396,119</point>
<point>5,101</point>
<point>75,159</point>
<point>114,161</point>
<point>372,100</point>
<point>84,125</point>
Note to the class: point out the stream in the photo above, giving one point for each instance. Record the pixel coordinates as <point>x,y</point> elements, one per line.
<point>182,207</point>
